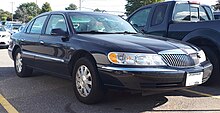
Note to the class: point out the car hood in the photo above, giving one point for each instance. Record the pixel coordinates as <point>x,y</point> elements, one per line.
<point>138,43</point>
<point>4,33</point>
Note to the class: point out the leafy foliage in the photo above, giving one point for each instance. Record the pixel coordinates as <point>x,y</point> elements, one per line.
<point>5,15</point>
<point>27,10</point>
<point>46,7</point>
<point>97,10</point>
<point>132,5</point>
<point>71,7</point>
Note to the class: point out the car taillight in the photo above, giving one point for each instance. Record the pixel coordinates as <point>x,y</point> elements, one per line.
<point>194,2</point>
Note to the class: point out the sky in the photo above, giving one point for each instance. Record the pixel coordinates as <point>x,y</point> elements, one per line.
<point>108,5</point>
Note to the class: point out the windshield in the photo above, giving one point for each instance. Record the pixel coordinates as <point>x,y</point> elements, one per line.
<point>15,27</point>
<point>100,23</point>
<point>2,29</point>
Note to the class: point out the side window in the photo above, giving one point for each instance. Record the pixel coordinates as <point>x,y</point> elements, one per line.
<point>202,14</point>
<point>140,18</point>
<point>194,13</point>
<point>159,14</point>
<point>209,12</point>
<point>56,21</point>
<point>38,25</point>
<point>181,12</point>
<point>186,12</point>
<point>29,26</point>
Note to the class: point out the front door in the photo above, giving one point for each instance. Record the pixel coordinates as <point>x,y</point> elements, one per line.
<point>53,48</point>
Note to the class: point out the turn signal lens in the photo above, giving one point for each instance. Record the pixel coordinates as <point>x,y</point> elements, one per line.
<point>113,57</point>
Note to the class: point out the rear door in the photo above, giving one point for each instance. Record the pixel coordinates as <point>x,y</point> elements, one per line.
<point>30,40</point>
<point>53,48</point>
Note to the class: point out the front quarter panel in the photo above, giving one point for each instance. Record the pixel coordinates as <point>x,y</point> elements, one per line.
<point>99,50</point>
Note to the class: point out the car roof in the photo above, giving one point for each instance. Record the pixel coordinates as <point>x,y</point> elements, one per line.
<point>74,11</point>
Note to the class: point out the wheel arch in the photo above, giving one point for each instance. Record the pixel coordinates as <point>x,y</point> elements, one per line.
<point>204,37</point>
<point>14,49</point>
<point>77,55</point>
<point>205,42</point>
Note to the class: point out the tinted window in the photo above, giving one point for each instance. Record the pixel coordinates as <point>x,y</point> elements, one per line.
<point>194,13</point>
<point>38,25</point>
<point>56,21</point>
<point>16,27</point>
<point>202,14</point>
<point>181,12</point>
<point>159,14</point>
<point>209,12</point>
<point>28,29</point>
<point>140,18</point>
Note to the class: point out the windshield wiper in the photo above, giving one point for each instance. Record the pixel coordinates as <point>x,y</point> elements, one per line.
<point>93,32</point>
<point>125,32</point>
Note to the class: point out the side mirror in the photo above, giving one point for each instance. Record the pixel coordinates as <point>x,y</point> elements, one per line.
<point>58,32</point>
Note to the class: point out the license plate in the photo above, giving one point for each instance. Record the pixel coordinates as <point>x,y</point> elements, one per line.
<point>194,79</point>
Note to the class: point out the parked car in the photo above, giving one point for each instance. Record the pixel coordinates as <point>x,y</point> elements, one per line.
<point>98,50</point>
<point>186,21</point>
<point>21,28</point>
<point>4,37</point>
<point>217,15</point>
<point>13,28</point>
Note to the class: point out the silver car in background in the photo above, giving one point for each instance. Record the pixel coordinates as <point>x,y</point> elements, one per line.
<point>4,37</point>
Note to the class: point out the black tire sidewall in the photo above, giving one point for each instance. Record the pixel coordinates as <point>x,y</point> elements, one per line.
<point>97,92</point>
<point>26,71</point>
<point>215,62</point>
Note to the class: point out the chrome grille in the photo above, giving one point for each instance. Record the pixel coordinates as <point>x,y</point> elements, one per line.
<point>180,60</point>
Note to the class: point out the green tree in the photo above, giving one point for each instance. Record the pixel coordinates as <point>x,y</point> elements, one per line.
<point>46,7</point>
<point>3,18</point>
<point>71,7</point>
<point>25,10</point>
<point>5,15</point>
<point>132,5</point>
<point>97,10</point>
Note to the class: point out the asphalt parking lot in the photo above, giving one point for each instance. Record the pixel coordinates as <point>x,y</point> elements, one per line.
<point>44,93</point>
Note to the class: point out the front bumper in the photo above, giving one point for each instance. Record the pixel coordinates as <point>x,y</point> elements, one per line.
<point>155,78</point>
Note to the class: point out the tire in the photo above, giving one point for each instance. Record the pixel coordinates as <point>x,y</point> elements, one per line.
<point>20,68</point>
<point>214,78</point>
<point>88,87</point>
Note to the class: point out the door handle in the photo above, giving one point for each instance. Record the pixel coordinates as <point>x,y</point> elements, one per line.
<point>41,42</point>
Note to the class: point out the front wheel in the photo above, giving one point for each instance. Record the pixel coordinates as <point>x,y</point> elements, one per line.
<point>87,84</point>
<point>20,68</point>
<point>214,78</point>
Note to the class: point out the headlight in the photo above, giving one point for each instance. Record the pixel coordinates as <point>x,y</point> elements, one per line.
<point>135,59</point>
<point>201,56</point>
